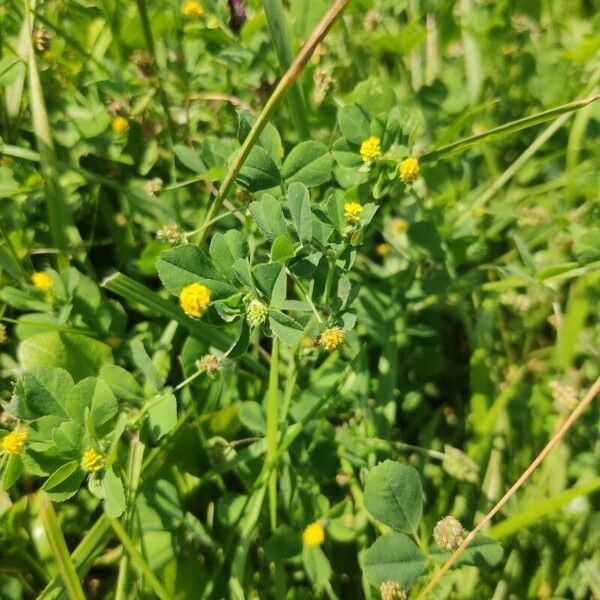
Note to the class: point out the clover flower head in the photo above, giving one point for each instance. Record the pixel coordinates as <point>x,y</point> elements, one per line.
<point>42,38</point>
<point>143,62</point>
<point>409,170</point>
<point>352,211</point>
<point>13,442</point>
<point>448,533</point>
<point>119,125</point>
<point>391,590</point>
<point>256,314</point>
<point>370,149</point>
<point>399,226</point>
<point>171,234</point>
<point>153,186</point>
<point>331,339</point>
<point>41,280</point>
<point>383,249</point>
<point>92,461</point>
<point>313,535</point>
<point>192,9</point>
<point>194,299</point>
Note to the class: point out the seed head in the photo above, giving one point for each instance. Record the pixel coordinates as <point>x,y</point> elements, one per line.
<point>409,170</point>
<point>143,62</point>
<point>41,280</point>
<point>42,38</point>
<point>194,299</point>
<point>391,590</point>
<point>370,149</point>
<point>448,533</point>
<point>153,186</point>
<point>209,364</point>
<point>257,313</point>
<point>331,339</point>
<point>13,442</point>
<point>171,234</point>
<point>92,461</point>
<point>192,9</point>
<point>352,211</point>
<point>313,535</point>
<point>119,125</point>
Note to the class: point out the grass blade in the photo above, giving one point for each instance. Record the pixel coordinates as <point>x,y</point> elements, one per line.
<point>63,559</point>
<point>62,228</point>
<point>280,36</point>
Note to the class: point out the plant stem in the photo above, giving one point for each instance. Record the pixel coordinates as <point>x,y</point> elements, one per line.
<point>558,435</point>
<point>63,559</point>
<point>278,94</point>
<point>272,429</point>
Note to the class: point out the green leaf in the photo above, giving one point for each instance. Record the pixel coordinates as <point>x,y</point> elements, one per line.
<point>92,393</point>
<point>269,138</point>
<point>355,123</point>
<point>375,94</point>
<point>241,341</point>
<point>122,383</point>
<point>316,565</point>
<point>188,264</point>
<point>243,274</point>
<point>299,205</point>
<point>335,210</point>
<point>265,276</point>
<point>268,215</point>
<point>114,495</point>
<point>11,472</point>
<point>259,171</point>
<point>40,393</point>
<point>64,482</point>
<point>393,557</point>
<point>481,552</point>
<point>394,495</point>
<point>146,366</point>
<point>189,158</point>
<point>81,356</point>
<point>282,249</point>
<point>587,247</point>
<point>309,163</point>
<point>162,416</point>
<point>285,328</point>
<point>225,249</point>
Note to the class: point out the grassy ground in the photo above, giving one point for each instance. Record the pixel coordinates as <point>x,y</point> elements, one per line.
<point>284,284</point>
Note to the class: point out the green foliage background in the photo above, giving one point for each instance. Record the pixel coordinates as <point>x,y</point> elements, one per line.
<point>468,300</point>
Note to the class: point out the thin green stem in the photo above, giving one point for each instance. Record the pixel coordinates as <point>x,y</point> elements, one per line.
<point>272,429</point>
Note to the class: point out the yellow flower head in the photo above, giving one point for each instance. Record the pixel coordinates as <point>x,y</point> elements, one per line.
<point>192,9</point>
<point>352,211</point>
<point>13,443</point>
<point>409,170</point>
<point>3,334</point>
<point>307,342</point>
<point>92,461</point>
<point>370,149</point>
<point>331,339</point>
<point>399,226</point>
<point>313,535</point>
<point>478,212</point>
<point>119,125</point>
<point>194,299</point>
<point>383,249</point>
<point>41,280</point>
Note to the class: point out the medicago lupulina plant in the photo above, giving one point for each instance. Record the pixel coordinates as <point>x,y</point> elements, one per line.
<point>230,319</point>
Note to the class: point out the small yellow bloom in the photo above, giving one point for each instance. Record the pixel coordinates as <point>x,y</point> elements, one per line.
<point>313,535</point>
<point>370,149</point>
<point>352,211</point>
<point>212,22</point>
<point>41,280</point>
<point>114,341</point>
<point>383,249</point>
<point>399,226</point>
<point>409,170</point>
<point>194,299</point>
<point>307,342</point>
<point>92,461</point>
<point>331,339</point>
<point>119,125</point>
<point>478,212</point>
<point>192,9</point>
<point>13,443</point>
